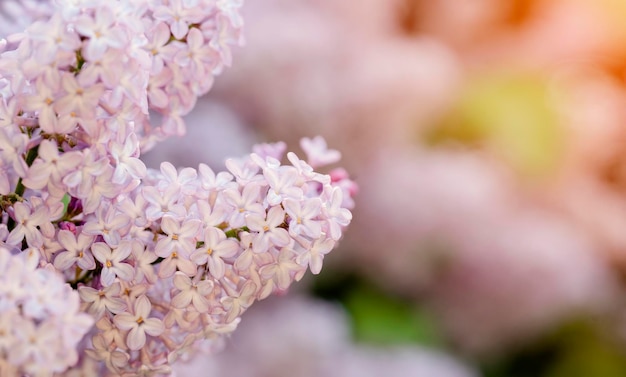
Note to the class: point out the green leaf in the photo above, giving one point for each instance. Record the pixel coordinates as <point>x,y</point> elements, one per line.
<point>577,349</point>
<point>66,202</point>
<point>384,320</point>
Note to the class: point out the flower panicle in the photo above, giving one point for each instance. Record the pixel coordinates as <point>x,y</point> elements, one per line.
<point>133,267</point>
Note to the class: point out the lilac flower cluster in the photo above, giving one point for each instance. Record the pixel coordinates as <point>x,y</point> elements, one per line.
<point>17,15</point>
<point>40,320</point>
<point>93,67</point>
<point>159,259</point>
<point>183,256</point>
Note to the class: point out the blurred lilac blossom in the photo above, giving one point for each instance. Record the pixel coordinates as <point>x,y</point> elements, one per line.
<point>300,336</point>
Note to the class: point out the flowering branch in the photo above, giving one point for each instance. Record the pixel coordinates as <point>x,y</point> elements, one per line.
<point>159,260</point>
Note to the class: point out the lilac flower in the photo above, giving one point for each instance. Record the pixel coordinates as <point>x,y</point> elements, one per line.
<point>216,247</point>
<point>317,152</point>
<point>175,261</point>
<point>230,8</point>
<point>157,93</point>
<point>12,147</point>
<point>221,39</point>
<point>128,96</point>
<point>284,270</point>
<point>143,264</point>
<point>77,250</point>
<point>113,358</point>
<point>196,54</point>
<point>12,292</point>
<point>101,31</point>
<point>306,170</point>
<point>274,150</point>
<point>181,181</point>
<point>135,209</point>
<point>244,203</point>
<point>236,302</point>
<point>131,291</point>
<point>337,215</point>
<point>33,342</point>
<point>111,333</point>
<point>339,178</point>
<point>302,217</point>
<point>282,184</point>
<point>314,254</point>
<point>268,230</point>
<point>182,318</point>
<point>180,237</point>
<point>246,257</point>
<point>178,17</point>
<point>50,168</point>
<point>111,259</point>
<point>211,217</point>
<point>158,39</point>
<point>139,323</point>
<point>267,162</point>
<point>191,292</point>
<point>42,101</point>
<point>78,99</point>
<point>104,299</point>
<point>162,203</point>
<point>52,36</point>
<point>126,162</point>
<point>214,182</point>
<point>244,170</point>
<point>28,220</point>
<point>107,222</point>
<point>106,69</point>
<point>102,187</point>
<point>41,300</point>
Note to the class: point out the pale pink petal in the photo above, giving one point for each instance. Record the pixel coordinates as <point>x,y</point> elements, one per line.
<point>136,339</point>
<point>153,326</point>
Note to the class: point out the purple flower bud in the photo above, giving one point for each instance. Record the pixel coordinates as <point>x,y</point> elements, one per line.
<point>67,225</point>
<point>75,206</point>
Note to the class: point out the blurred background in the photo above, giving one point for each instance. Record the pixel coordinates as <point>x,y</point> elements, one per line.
<point>488,141</point>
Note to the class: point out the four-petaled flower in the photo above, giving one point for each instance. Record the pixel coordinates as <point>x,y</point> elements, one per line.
<point>314,254</point>
<point>111,259</point>
<point>27,224</point>
<point>191,292</point>
<point>268,230</point>
<point>77,250</point>
<point>180,238</point>
<point>101,33</point>
<point>302,216</point>
<point>214,250</point>
<point>106,298</point>
<point>139,323</point>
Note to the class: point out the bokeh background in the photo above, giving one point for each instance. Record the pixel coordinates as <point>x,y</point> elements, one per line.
<point>488,141</point>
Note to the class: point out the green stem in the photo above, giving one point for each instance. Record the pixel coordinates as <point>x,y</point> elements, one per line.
<point>234,233</point>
